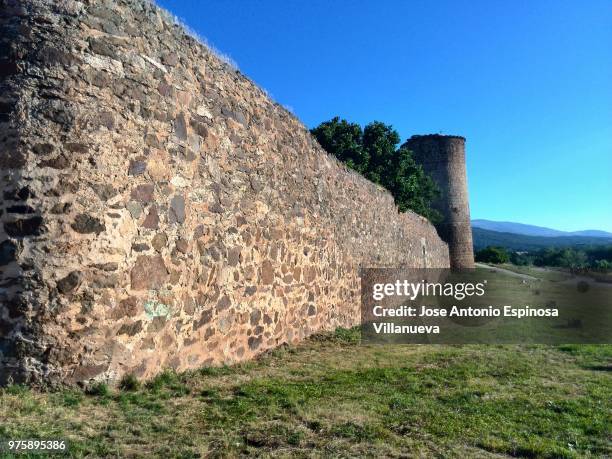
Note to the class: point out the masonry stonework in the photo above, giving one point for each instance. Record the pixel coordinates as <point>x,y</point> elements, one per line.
<point>159,210</point>
<point>443,158</point>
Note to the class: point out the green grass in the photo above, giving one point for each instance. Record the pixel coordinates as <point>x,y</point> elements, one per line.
<point>543,273</point>
<point>331,396</point>
<point>334,397</point>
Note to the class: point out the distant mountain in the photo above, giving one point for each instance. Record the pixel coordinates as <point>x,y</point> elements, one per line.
<point>592,233</point>
<point>483,238</point>
<point>532,230</point>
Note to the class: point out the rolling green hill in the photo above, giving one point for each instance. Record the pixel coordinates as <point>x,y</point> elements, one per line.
<point>484,238</point>
<point>533,230</point>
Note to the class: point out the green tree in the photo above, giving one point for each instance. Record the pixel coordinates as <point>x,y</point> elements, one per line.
<point>520,258</point>
<point>411,187</point>
<point>562,257</point>
<point>374,153</point>
<point>602,265</point>
<point>380,142</point>
<point>344,140</point>
<point>573,259</point>
<point>491,254</point>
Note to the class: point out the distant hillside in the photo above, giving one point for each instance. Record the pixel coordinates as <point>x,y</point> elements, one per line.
<point>484,238</point>
<point>532,230</point>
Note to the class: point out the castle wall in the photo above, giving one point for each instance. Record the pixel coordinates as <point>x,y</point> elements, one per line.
<point>159,210</point>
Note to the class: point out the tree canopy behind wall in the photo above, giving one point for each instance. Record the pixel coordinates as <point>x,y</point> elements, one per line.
<point>373,151</point>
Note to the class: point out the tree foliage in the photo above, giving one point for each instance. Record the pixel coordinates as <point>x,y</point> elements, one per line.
<point>496,255</point>
<point>596,258</point>
<point>373,152</point>
<point>344,140</point>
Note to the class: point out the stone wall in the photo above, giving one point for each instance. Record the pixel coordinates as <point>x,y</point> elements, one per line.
<point>159,210</point>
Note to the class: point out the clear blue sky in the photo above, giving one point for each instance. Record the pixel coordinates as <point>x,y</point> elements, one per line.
<point>528,83</point>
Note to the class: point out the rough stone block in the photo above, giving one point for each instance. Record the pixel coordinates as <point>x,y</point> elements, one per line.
<point>151,217</point>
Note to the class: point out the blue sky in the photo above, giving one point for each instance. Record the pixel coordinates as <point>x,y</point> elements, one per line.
<point>528,83</point>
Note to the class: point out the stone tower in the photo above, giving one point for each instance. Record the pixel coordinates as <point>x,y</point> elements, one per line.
<point>443,157</point>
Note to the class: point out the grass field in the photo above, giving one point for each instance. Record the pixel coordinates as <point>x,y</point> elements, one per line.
<point>334,397</point>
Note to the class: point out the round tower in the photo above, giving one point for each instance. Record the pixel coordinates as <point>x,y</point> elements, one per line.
<point>443,158</point>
